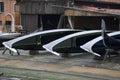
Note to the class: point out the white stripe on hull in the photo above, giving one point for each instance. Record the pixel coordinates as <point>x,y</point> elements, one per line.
<point>49,46</point>
<point>9,44</point>
<point>88,46</point>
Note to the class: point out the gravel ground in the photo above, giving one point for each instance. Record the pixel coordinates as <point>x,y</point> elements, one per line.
<point>28,74</point>
<point>76,64</point>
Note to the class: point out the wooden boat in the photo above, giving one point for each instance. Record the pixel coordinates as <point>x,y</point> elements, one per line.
<point>71,43</point>
<point>110,42</point>
<point>8,36</point>
<point>98,45</point>
<point>34,41</point>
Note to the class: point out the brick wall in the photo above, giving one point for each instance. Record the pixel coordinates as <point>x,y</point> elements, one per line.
<point>9,10</point>
<point>9,7</point>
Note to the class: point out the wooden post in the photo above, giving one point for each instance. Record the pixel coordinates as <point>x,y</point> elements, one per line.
<point>119,22</point>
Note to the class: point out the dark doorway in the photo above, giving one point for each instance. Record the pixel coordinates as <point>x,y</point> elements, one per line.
<point>8,26</point>
<point>48,21</point>
<point>29,22</point>
<point>94,22</point>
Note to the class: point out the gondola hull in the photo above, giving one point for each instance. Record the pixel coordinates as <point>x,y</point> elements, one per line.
<point>71,43</point>
<point>34,41</point>
<point>8,36</point>
<point>97,47</point>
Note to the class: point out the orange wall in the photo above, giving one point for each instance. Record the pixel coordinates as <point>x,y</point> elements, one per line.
<point>9,7</point>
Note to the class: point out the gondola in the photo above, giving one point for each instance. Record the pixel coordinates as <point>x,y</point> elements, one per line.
<point>8,36</point>
<point>34,41</point>
<point>71,43</point>
<point>98,45</point>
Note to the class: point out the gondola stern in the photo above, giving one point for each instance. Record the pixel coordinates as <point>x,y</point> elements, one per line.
<point>88,49</point>
<point>9,47</point>
<point>50,50</point>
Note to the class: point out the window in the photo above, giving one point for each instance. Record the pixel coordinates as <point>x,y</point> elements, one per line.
<point>8,22</point>
<point>1,7</point>
<point>0,23</point>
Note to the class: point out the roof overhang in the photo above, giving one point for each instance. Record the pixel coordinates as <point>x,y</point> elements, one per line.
<point>102,1</point>
<point>74,11</point>
<point>84,12</point>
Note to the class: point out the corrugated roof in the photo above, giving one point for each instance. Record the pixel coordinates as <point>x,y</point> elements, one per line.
<point>100,9</point>
<point>108,1</point>
<point>115,1</point>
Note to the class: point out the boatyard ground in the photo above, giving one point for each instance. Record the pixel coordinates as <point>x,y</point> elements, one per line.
<point>47,66</point>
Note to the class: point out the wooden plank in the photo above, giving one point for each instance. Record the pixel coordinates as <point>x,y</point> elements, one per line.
<point>42,7</point>
<point>30,22</point>
<point>75,11</point>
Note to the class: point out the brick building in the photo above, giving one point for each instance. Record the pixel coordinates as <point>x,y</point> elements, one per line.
<point>9,15</point>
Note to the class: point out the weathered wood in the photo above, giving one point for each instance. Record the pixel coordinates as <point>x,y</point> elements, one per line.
<point>29,22</point>
<point>102,1</point>
<point>42,7</point>
<point>85,13</point>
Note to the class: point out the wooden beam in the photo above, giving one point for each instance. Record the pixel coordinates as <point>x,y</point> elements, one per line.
<point>82,12</point>
<point>69,12</point>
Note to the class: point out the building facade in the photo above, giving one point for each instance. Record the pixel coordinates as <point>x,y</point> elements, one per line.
<point>77,14</point>
<point>87,14</point>
<point>37,14</point>
<point>9,15</point>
